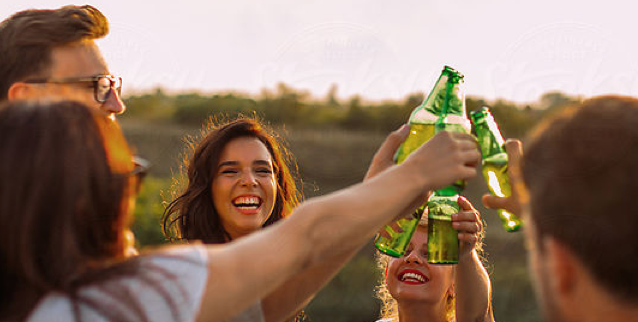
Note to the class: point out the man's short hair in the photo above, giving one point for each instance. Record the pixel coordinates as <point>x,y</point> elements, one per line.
<point>27,38</point>
<point>581,169</point>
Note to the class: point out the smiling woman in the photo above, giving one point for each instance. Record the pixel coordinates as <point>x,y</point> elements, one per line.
<point>244,186</point>
<point>239,180</point>
<point>414,290</point>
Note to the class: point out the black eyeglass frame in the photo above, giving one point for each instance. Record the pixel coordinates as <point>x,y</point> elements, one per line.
<point>115,82</point>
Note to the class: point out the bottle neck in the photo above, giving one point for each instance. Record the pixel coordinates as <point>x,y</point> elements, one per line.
<point>489,138</point>
<point>447,97</point>
<point>445,102</point>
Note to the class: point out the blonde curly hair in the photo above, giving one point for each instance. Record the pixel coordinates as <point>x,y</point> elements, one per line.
<point>389,306</point>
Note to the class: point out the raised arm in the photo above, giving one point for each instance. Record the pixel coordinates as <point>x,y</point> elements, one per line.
<point>329,227</point>
<point>297,292</point>
<point>472,283</point>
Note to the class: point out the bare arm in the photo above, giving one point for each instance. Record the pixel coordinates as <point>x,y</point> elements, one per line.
<point>329,227</point>
<point>297,292</point>
<point>472,283</point>
<point>290,298</point>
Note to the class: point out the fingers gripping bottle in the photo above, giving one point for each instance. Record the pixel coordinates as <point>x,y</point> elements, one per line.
<point>494,162</point>
<point>443,241</point>
<point>447,95</point>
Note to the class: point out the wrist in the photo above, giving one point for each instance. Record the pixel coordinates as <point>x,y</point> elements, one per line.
<point>413,172</point>
<point>468,257</point>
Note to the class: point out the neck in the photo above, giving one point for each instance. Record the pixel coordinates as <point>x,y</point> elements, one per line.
<point>417,311</point>
<point>606,309</point>
<point>591,302</point>
<point>234,235</point>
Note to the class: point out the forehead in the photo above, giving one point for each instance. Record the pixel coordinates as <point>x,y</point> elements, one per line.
<point>419,241</point>
<point>81,59</point>
<point>420,235</point>
<point>245,148</point>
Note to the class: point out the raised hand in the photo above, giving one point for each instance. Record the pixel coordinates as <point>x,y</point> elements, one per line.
<point>469,225</point>
<point>512,203</point>
<point>447,157</point>
<point>383,158</point>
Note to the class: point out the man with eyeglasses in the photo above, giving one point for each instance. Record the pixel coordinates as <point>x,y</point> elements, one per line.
<point>51,54</point>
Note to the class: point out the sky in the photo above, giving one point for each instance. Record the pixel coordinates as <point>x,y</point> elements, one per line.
<point>380,50</point>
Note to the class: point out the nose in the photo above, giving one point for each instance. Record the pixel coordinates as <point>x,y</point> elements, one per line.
<point>414,257</point>
<point>248,179</point>
<point>113,104</point>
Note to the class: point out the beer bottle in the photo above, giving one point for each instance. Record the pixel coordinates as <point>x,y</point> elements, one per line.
<point>443,241</point>
<point>447,95</point>
<point>494,162</point>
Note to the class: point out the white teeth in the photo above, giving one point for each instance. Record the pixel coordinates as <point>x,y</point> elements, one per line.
<point>413,276</point>
<point>247,202</point>
<point>247,206</point>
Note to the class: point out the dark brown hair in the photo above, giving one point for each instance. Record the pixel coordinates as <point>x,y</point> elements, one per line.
<point>60,199</point>
<point>193,212</point>
<point>27,38</point>
<point>581,170</point>
<point>65,180</point>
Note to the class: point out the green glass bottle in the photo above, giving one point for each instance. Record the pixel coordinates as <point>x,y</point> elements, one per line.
<point>446,93</point>
<point>443,241</point>
<point>494,162</point>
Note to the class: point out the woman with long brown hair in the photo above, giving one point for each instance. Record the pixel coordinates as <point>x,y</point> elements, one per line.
<point>67,182</point>
<point>239,181</point>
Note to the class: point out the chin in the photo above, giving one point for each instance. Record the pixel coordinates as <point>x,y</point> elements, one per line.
<point>252,226</point>
<point>410,295</point>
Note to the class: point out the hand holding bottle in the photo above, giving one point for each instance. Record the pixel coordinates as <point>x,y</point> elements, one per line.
<point>513,203</point>
<point>447,157</point>
<point>443,110</point>
<point>383,158</point>
<point>469,225</point>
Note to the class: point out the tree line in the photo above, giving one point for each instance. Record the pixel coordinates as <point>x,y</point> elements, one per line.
<point>295,108</point>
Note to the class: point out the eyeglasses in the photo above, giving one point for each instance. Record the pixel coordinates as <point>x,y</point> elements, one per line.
<point>140,169</point>
<point>102,84</point>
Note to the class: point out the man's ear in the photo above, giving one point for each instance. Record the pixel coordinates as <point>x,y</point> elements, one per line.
<point>562,264</point>
<point>20,91</point>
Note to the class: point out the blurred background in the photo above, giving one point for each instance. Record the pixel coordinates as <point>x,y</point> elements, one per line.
<point>334,77</point>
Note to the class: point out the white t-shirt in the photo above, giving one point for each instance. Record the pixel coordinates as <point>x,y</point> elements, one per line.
<point>177,275</point>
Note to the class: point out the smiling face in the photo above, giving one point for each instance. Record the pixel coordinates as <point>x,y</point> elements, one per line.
<point>244,186</point>
<point>411,278</point>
